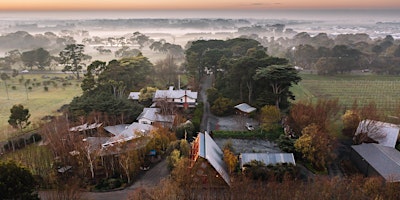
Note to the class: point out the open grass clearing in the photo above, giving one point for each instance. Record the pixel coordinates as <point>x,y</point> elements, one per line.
<point>39,102</point>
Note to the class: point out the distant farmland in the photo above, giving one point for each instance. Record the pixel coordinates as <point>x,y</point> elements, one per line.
<point>383,90</point>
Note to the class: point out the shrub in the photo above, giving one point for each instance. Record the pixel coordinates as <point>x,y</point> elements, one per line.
<point>222,106</point>
<point>259,133</point>
<point>196,119</point>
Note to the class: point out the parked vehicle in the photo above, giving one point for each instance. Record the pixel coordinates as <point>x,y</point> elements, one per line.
<point>249,126</point>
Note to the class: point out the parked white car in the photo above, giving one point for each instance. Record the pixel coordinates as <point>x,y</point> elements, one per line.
<point>249,126</point>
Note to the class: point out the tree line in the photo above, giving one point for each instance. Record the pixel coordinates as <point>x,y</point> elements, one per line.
<point>330,55</point>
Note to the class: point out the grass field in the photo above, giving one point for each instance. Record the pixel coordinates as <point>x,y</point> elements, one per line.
<point>39,102</point>
<point>37,159</point>
<point>383,90</point>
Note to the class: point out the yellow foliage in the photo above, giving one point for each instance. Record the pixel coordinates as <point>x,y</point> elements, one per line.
<point>270,117</point>
<point>230,159</point>
<point>315,145</point>
<point>351,119</point>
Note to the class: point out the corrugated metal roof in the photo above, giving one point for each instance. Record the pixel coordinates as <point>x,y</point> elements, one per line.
<point>385,134</point>
<point>210,151</point>
<point>134,95</point>
<point>85,127</point>
<point>385,160</point>
<point>117,129</point>
<point>244,107</point>
<point>174,94</point>
<point>267,158</point>
<point>153,115</point>
<point>131,132</point>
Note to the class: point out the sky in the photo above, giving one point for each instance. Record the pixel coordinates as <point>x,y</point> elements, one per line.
<point>55,5</point>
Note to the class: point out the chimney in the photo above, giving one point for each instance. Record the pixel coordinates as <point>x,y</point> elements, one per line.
<point>185,104</point>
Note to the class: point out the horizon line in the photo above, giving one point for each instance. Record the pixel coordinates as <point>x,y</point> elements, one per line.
<point>202,9</point>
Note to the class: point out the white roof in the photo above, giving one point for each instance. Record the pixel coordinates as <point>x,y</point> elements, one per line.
<point>210,151</point>
<point>85,127</point>
<point>153,115</point>
<point>174,94</point>
<point>133,131</point>
<point>267,158</point>
<point>244,107</point>
<point>385,134</point>
<point>134,95</point>
<point>385,160</point>
<point>117,129</point>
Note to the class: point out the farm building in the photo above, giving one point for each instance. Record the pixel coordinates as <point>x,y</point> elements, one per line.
<point>207,161</point>
<point>377,160</point>
<point>266,158</point>
<point>385,134</point>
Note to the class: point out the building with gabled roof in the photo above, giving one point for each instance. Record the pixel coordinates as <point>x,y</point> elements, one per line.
<point>245,108</point>
<point>153,116</point>
<point>180,98</point>
<point>205,152</point>
<point>377,160</point>
<point>385,134</point>
<point>133,131</point>
<point>267,158</point>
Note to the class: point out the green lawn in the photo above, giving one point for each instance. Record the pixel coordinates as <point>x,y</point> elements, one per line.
<point>39,102</point>
<point>383,90</point>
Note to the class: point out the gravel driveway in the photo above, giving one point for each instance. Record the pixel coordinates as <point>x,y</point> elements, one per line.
<point>149,179</point>
<point>249,146</point>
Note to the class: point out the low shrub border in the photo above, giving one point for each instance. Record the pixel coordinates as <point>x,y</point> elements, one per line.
<point>256,134</point>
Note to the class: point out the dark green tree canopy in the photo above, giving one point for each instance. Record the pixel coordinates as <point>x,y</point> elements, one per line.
<point>16,182</point>
<point>38,57</point>
<point>206,54</point>
<point>133,73</point>
<point>71,57</point>
<point>279,79</point>
<point>19,117</point>
<point>106,86</point>
<point>104,102</point>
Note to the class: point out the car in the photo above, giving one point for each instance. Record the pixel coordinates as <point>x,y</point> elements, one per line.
<point>249,126</point>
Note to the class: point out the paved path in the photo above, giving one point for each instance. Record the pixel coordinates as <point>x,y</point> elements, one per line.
<point>209,121</point>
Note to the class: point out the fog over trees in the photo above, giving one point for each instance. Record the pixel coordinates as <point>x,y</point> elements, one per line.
<point>352,47</point>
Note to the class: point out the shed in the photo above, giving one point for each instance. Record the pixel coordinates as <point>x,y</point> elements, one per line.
<point>245,108</point>
<point>134,95</point>
<point>267,158</point>
<point>374,159</point>
<point>385,134</point>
